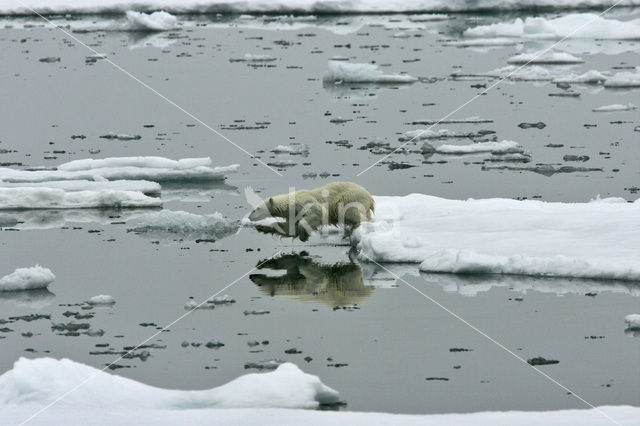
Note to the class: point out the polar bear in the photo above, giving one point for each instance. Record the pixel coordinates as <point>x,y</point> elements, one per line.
<point>343,204</point>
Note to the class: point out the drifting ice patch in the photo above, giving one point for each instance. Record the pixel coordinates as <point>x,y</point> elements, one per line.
<point>143,186</point>
<point>157,169</point>
<point>624,79</point>
<point>293,149</point>
<point>346,72</point>
<point>503,147</point>
<point>632,321</point>
<point>575,25</point>
<point>588,240</point>
<point>41,381</point>
<point>615,107</point>
<point>35,277</point>
<point>156,21</point>
<point>549,57</point>
<point>102,299</point>
<point>167,224</point>
<point>589,77</point>
<point>54,198</point>
<point>530,73</point>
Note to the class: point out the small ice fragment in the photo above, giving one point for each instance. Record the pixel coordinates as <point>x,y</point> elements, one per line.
<point>35,277</point>
<point>102,299</point>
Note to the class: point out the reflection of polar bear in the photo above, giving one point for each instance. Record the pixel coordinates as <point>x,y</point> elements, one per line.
<point>338,203</point>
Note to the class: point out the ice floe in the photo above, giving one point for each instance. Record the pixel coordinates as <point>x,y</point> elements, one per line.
<point>503,147</point>
<point>102,299</point>
<point>55,198</point>
<point>502,236</point>
<point>293,149</point>
<point>624,79</point>
<point>35,382</point>
<point>632,321</point>
<point>167,224</point>
<point>33,278</point>
<point>589,77</point>
<point>548,57</point>
<point>157,169</point>
<point>156,21</point>
<point>143,186</point>
<point>347,72</point>
<point>300,6</point>
<point>574,25</point>
<point>615,108</point>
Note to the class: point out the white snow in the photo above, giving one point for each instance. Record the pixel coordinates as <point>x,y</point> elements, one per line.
<point>575,25</point>
<point>144,186</point>
<point>102,299</point>
<point>632,321</point>
<point>155,169</point>
<point>173,224</point>
<point>542,57</point>
<point>156,21</point>
<point>35,277</point>
<point>36,382</point>
<point>615,107</point>
<point>589,77</point>
<point>502,147</point>
<point>54,198</point>
<point>347,72</point>
<point>293,149</point>
<point>529,73</point>
<point>297,6</point>
<point>624,79</point>
<point>589,240</point>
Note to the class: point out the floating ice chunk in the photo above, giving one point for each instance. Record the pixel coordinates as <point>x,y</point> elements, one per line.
<point>615,107</point>
<point>35,277</point>
<point>251,57</point>
<point>362,73</point>
<point>144,186</point>
<point>624,79</point>
<point>156,21</point>
<point>293,149</point>
<point>574,25</point>
<point>102,299</point>
<point>179,224</point>
<point>483,42</point>
<point>589,77</point>
<point>632,321</point>
<point>548,57</point>
<point>41,381</point>
<point>54,198</point>
<point>157,169</point>
<point>502,147</point>
<point>588,240</point>
<point>121,136</point>
<point>517,73</point>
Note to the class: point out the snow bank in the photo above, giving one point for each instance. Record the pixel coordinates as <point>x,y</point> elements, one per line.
<point>548,57</point>
<point>615,107</point>
<point>632,321</point>
<point>157,169</point>
<point>503,147</point>
<point>298,6</point>
<point>340,71</point>
<point>35,277</point>
<point>54,198</point>
<point>37,382</point>
<point>588,240</point>
<point>590,26</point>
<point>144,186</point>
<point>156,21</point>
<point>179,224</point>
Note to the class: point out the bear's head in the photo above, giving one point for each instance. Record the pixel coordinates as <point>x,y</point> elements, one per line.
<point>263,211</point>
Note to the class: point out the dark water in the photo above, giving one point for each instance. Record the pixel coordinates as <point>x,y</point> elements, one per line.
<point>396,338</point>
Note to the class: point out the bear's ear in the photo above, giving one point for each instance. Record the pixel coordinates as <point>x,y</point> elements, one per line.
<point>271,201</point>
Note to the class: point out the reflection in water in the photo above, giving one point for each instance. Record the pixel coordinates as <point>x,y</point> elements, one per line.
<point>32,299</point>
<point>201,191</point>
<point>307,280</point>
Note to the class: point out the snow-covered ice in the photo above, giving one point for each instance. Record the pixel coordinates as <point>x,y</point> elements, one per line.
<point>624,79</point>
<point>589,77</point>
<point>156,21</point>
<point>299,6</point>
<point>616,107</point>
<point>632,321</point>
<point>144,186</point>
<point>529,73</point>
<point>347,72</point>
<point>102,299</point>
<point>157,169</point>
<point>574,25</point>
<point>55,198</point>
<point>548,57</point>
<point>597,239</point>
<point>503,147</point>
<point>169,224</point>
<point>35,382</point>
<point>293,149</point>
<point>35,277</point>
